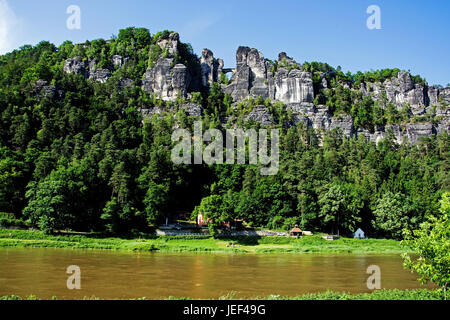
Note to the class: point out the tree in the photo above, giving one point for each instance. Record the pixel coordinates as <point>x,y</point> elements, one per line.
<point>335,210</point>
<point>12,172</point>
<point>432,245</point>
<point>210,208</point>
<point>391,215</point>
<point>62,200</point>
<point>156,202</point>
<point>362,113</point>
<point>111,216</point>
<point>48,208</point>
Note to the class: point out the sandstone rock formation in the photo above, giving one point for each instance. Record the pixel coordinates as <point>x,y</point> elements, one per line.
<point>294,86</point>
<point>192,109</point>
<point>170,43</point>
<point>166,81</point>
<point>254,78</point>
<point>402,91</point>
<point>250,78</point>
<point>100,75</point>
<point>284,81</point>
<point>444,94</point>
<point>261,115</point>
<point>75,65</point>
<point>88,69</point>
<point>119,61</point>
<point>43,90</point>
<point>211,69</point>
<point>125,82</point>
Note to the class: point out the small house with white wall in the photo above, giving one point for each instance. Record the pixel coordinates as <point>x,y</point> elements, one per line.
<point>201,221</point>
<point>359,234</point>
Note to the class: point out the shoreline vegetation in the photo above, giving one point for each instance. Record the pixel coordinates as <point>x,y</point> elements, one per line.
<point>199,244</point>
<point>417,294</point>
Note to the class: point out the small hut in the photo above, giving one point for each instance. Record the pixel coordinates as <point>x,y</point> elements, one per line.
<point>296,232</point>
<point>359,234</point>
<point>201,222</point>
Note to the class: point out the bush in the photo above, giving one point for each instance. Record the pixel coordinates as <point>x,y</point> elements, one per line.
<point>8,220</point>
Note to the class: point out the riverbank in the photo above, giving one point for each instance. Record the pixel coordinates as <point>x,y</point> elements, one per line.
<point>256,245</point>
<point>419,294</point>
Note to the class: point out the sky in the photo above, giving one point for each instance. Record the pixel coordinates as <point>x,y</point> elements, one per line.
<point>414,34</point>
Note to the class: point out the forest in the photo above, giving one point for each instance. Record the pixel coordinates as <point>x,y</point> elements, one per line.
<point>85,157</point>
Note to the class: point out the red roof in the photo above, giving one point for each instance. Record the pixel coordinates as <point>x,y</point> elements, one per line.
<point>296,230</point>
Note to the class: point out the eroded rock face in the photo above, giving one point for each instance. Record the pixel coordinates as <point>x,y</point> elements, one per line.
<point>166,81</point>
<point>403,90</point>
<point>43,90</point>
<point>319,118</point>
<point>180,79</point>
<point>192,109</point>
<point>87,68</point>
<point>345,123</point>
<point>75,65</point>
<point>210,68</point>
<point>245,77</point>
<point>421,99</point>
<point>261,115</point>
<point>433,96</point>
<point>254,78</point>
<point>294,86</point>
<point>100,75</point>
<point>444,94</point>
<point>125,82</point>
<point>399,91</point>
<point>118,61</point>
<point>148,113</point>
<point>414,131</point>
<point>170,43</point>
<point>250,78</point>
<point>284,58</point>
<point>444,125</point>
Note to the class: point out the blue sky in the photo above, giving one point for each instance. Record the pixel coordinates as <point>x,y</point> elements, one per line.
<point>414,34</point>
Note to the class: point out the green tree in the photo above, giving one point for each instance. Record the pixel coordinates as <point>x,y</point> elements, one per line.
<point>335,210</point>
<point>12,180</point>
<point>156,202</point>
<point>392,215</point>
<point>48,208</point>
<point>432,245</point>
<point>211,209</point>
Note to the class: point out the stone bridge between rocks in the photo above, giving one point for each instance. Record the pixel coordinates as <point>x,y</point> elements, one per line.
<point>229,70</point>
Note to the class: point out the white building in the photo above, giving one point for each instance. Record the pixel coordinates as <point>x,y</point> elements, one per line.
<point>359,234</point>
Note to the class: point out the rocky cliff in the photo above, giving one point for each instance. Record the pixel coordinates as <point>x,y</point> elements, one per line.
<point>283,81</point>
<point>88,68</point>
<point>256,77</point>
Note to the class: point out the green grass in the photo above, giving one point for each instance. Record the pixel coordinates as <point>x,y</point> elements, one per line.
<point>419,294</point>
<point>314,244</point>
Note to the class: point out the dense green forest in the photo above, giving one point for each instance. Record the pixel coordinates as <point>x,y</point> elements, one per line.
<point>85,159</point>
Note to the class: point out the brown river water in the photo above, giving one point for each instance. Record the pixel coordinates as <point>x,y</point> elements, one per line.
<point>112,275</point>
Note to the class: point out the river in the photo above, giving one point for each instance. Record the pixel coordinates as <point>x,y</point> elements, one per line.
<point>113,275</point>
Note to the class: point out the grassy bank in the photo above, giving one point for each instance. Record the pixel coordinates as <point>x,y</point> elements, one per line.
<point>313,244</point>
<point>420,294</point>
